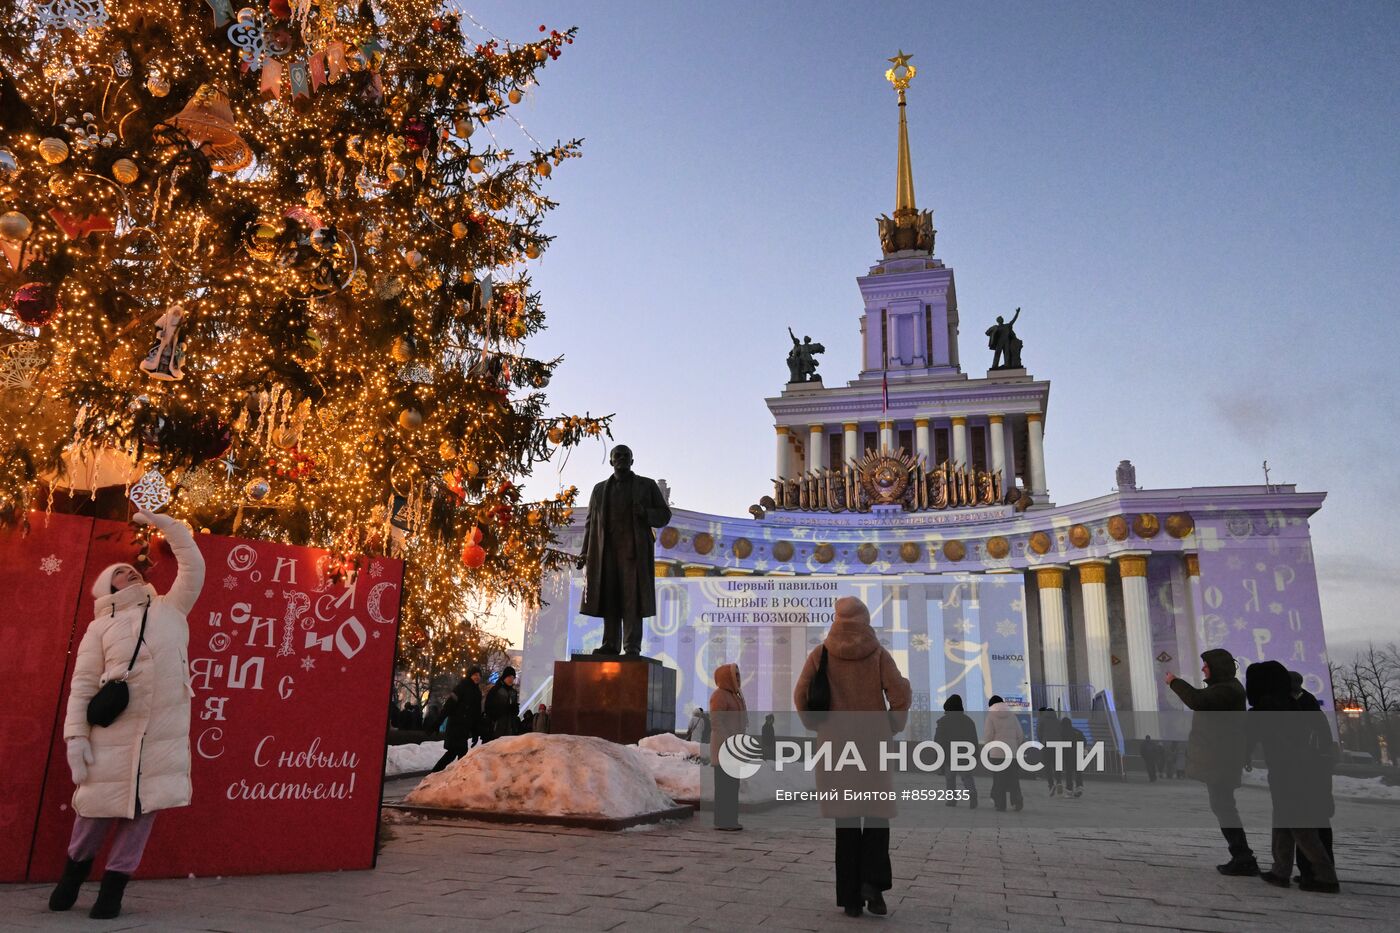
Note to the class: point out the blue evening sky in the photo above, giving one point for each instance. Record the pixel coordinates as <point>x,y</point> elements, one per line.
<point>1196,204</point>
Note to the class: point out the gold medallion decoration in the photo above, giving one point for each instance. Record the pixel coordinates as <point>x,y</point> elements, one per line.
<point>704,543</point>
<point>782,551</point>
<point>1118,528</point>
<point>743,547</point>
<point>1179,525</point>
<point>1079,536</point>
<point>1146,525</point>
<point>670,537</point>
<point>954,550</point>
<point>998,547</point>
<point>1040,542</point>
<point>910,552</point>
<point>824,553</point>
<point>868,553</point>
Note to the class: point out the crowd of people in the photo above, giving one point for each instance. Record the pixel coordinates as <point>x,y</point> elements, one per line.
<point>851,672</point>
<point>473,713</point>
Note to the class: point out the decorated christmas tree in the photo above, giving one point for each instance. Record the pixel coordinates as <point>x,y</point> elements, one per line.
<point>274,259</point>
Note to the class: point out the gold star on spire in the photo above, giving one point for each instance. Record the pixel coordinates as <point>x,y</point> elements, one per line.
<point>901,74</point>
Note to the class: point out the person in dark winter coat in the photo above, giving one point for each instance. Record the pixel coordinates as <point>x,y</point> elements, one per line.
<point>956,726</point>
<point>1304,700</point>
<point>542,719</point>
<point>703,736</point>
<point>770,739</point>
<point>1047,729</point>
<point>1215,749</point>
<point>1151,757</point>
<point>502,707</point>
<point>1072,780</point>
<point>464,718</point>
<point>1297,744</point>
<point>864,678</point>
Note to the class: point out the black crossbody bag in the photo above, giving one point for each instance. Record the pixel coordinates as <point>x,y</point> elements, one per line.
<point>819,689</point>
<point>112,697</point>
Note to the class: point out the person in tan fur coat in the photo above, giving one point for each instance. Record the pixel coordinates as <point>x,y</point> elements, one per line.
<point>864,680</point>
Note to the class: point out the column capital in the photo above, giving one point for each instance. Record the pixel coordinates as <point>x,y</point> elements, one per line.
<point>1091,571</point>
<point>921,422</point>
<point>959,420</point>
<point>816,428</point>
<point>1193,565</point>
<point>735,572</point>
<point>1050,577</point>
<point>850,426</point>
<point>696,570</point>
<point>663,568</point>
<point>1132,563</point>
<point>780,428</point>
<point>1034,416</point>
<point>886,423</point>
<point>995,419</point>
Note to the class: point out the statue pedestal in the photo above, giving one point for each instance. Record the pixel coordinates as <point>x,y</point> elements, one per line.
<point>621,700</point>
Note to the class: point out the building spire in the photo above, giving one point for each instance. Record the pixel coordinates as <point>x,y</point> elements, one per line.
<point>900,75</point>
<point>911,229</point>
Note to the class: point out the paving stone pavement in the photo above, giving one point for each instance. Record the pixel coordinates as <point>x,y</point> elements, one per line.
<point>980,871</point>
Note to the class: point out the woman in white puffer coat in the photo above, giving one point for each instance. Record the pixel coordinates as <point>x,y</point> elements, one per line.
<point>126,771</point>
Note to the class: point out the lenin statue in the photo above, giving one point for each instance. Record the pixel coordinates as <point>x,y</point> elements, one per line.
<point>620,586</point>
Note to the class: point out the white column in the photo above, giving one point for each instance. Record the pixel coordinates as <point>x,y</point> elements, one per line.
<point>996,432</point>
<point>1193,598</point>
<point>921,447</point>
<point>887,435</point>
<point>1093,589</point>
<point>960,440</point>
<point>1053,645</point>
<point>851,430</point>
<point>1142,670</point>
<point>816,458</point>
<point>784,461</point>
<point>1035,448</point>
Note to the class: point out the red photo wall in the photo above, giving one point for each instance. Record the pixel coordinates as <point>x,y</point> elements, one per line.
<point>291,674</point>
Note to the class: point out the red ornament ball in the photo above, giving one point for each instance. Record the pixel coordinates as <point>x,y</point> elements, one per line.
<point>473,555</point>
<point>36,303</point>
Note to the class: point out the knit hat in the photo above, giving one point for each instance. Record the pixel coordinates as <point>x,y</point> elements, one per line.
<point>994,699</point>
<point>507,672</point>
<point>953,704</point>
<point>103,586</point>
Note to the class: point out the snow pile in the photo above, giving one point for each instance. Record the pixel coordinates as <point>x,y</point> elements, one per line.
<point>547,775</point>
<point>668,743</point>
<point>677,777</point>
<point>404,759</point>
<point>1343,787</point>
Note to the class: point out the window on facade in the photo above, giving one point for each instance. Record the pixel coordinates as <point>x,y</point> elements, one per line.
<point>979,447</point>
<point>836,450</point>
<point>872,442</point>
<point>942,445</point>
<point>906,440</point>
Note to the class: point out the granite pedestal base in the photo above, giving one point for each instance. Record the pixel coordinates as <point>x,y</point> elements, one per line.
<point>621,700</point>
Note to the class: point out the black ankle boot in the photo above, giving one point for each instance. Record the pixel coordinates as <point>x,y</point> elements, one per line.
<point>874,900</point>
<point>65,894</point>
<point>109,896</point>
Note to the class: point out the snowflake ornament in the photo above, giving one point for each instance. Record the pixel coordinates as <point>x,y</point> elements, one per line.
<point>1006,628</point>
<point>230,582</point>
<point>51,565</point>
<point>308,663</point>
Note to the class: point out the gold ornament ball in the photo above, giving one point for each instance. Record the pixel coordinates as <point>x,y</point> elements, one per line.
<point>476,166</point>
<point>540,55</point>
<point>543,170</point>
<point>447,452</point>
<point>411,419</point>
<point>467,277</point>
<point>463,127</point>
<point>402,350</point>
<point>515,96</point>
<point>532,251</point>
<point>125,171</point>
<point>53,150</point>
<point>257,490</point>
<point>515,329</point>
<point>533,517</point>
<point>14,226</point>
<point>415,258</point>
<point>60,186</point>
<point>397,171</point>
<point>459,230</point>
<point>556,435</point>
<point>157,85</point>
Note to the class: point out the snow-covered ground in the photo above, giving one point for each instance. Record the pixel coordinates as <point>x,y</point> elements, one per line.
<point>1352,788</point>
<point>403,759</point>
<point>547,775</point>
